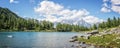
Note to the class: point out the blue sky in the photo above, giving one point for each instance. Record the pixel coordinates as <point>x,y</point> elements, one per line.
<point>98,9</point>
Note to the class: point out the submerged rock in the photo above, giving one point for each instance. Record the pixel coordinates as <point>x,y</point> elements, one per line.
<point>10,36</point>
<point>94,32</point>
<point>74,37</point>
<point>73,40</point>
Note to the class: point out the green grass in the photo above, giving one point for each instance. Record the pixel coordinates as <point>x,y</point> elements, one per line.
<point>105,40</point>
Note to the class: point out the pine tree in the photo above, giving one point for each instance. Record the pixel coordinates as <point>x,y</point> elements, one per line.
<point>94,27</point>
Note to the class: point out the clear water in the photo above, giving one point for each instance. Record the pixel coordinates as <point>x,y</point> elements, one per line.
<point>36,39</point>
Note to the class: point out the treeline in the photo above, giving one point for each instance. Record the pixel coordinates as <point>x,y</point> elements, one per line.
<point>11,22</point>
<point>104,25</point>
<point>108,24</point>
<point>68,27</point>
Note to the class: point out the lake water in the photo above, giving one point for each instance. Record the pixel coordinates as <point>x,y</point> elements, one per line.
<point>36,39</point>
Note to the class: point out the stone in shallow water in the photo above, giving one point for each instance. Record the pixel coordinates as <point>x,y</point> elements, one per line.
<point>10,36</point>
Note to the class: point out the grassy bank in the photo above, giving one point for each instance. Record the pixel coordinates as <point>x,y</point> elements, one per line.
<point>111,40</point>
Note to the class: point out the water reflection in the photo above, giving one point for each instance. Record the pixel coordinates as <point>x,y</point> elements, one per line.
<point>36,40</point>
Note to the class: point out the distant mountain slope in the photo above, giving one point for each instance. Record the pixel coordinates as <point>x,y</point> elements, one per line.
<point>8,19</point>
<point>7,13</point>
<point>12,22</point>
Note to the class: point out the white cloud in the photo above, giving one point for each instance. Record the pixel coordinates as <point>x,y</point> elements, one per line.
<point>47,7</point>
<point>115,2</point>
<point>114,6</point>
<point>105,0</point>
<point>58,13</point>
<point>105,9</point>
<point>105,5</point>
<point>13,1</point>
<point>95,19</point>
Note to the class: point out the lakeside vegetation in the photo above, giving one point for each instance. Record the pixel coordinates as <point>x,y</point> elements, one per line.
<point>10,21</point>
<point>108,36</point>
<point>106,41</point>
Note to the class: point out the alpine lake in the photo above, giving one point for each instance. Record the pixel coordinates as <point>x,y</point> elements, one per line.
<point>36,39</point>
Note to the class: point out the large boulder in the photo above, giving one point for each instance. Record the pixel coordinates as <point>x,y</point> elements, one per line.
<point>94,32</point>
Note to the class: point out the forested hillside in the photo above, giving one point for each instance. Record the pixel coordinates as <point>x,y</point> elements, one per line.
<point>12,22</point>
<point>9,21</point>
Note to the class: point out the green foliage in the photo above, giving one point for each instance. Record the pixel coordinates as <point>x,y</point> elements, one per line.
<point>94,26</point>
<point>105,40</point>
<point>10,21</point>
<point>109,23</point>
<point>68,27</point>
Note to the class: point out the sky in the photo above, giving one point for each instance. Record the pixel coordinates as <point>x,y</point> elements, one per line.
<point>65,11</point>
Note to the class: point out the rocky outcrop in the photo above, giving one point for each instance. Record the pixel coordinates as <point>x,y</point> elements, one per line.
<point>94,32</point>
<point>80,44</point>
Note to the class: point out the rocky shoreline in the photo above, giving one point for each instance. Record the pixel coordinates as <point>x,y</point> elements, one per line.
<point>115,32</point>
